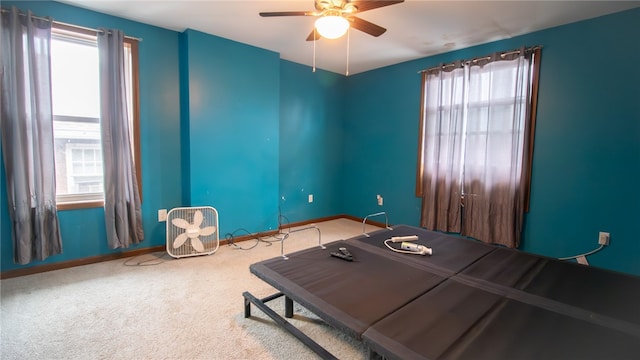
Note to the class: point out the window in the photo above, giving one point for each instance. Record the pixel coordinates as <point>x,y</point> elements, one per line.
<point>76,115</point>
<point>476,143</point>
<point>472,97</point>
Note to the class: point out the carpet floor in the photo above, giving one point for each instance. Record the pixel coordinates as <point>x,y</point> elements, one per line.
<point>157,307</point>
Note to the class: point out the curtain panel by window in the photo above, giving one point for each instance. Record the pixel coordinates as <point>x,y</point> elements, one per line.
<point>122,206</point>
<point>475,140</point>
<point>27,136</point>
<point>442,157</point>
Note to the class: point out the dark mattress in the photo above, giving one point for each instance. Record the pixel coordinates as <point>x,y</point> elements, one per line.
<point>467,301</point>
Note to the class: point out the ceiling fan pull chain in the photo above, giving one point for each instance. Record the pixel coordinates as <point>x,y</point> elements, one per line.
<point>348,38</point>
<point>314,49</point>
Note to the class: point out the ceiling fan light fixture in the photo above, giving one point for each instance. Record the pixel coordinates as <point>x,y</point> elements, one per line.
<point>332,26</point>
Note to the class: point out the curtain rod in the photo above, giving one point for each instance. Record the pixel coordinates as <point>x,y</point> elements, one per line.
<point>502,54</point>
<point>70,25</point>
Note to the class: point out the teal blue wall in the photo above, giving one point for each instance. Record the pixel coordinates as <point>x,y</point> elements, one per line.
<point>587,147</point>
<point>311,141</point>
<point>233,126</point>
<point>587,154</point>
<point>185,115</point>
<point>380,148</point>
<point>234,97</point>
<point>83,230</point>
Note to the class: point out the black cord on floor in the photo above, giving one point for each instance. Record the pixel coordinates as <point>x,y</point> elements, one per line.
<point>150,262</point>
<point>230,237</point>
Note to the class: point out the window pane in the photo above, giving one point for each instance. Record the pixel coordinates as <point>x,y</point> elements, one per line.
<point>76,109</point>
<point>75,79</point>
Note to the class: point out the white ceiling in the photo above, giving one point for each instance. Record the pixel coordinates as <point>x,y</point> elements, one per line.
<point>415,28</point>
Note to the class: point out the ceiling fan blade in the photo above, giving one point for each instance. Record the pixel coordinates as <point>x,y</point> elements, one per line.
<point>366,26</point>
<point>314,36</point>
<point>364,5</point>
<point>287,13</point>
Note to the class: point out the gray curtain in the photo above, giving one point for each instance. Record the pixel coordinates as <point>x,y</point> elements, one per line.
<point>496,148</point>
<point>476,133</point>
<point>122,211</point>
<point>442,151</point>
<point>27,136</point>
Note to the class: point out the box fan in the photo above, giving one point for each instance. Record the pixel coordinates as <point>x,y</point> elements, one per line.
<point>192,231</point>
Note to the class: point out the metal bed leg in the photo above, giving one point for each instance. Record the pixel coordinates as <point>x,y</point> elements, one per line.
<point>314,346</point>
<point>374,355</point>
<point>247,308</point>
<point>288,307</point>
<point>247,303</point>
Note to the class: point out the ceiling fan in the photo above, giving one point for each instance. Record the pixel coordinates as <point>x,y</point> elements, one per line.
<point>336,16</point>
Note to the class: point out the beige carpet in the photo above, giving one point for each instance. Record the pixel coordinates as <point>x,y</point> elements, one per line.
<point>189,308</point>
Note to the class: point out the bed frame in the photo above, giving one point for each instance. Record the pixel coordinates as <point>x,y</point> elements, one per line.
<point>468,300</point>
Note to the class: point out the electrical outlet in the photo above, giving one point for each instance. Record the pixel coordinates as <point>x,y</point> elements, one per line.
<point>162,215</point>
<point>310,198</point>
<point>380,200</point>
<point>603,238</point>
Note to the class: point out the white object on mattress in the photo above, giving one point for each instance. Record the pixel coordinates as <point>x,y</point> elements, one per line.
<point>406,247</point>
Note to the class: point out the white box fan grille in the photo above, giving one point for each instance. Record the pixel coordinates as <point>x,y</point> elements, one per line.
<point>192,231</point>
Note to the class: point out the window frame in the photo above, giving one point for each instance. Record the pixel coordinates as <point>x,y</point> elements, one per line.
<point>90,201</point>
<point>531,119</point>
